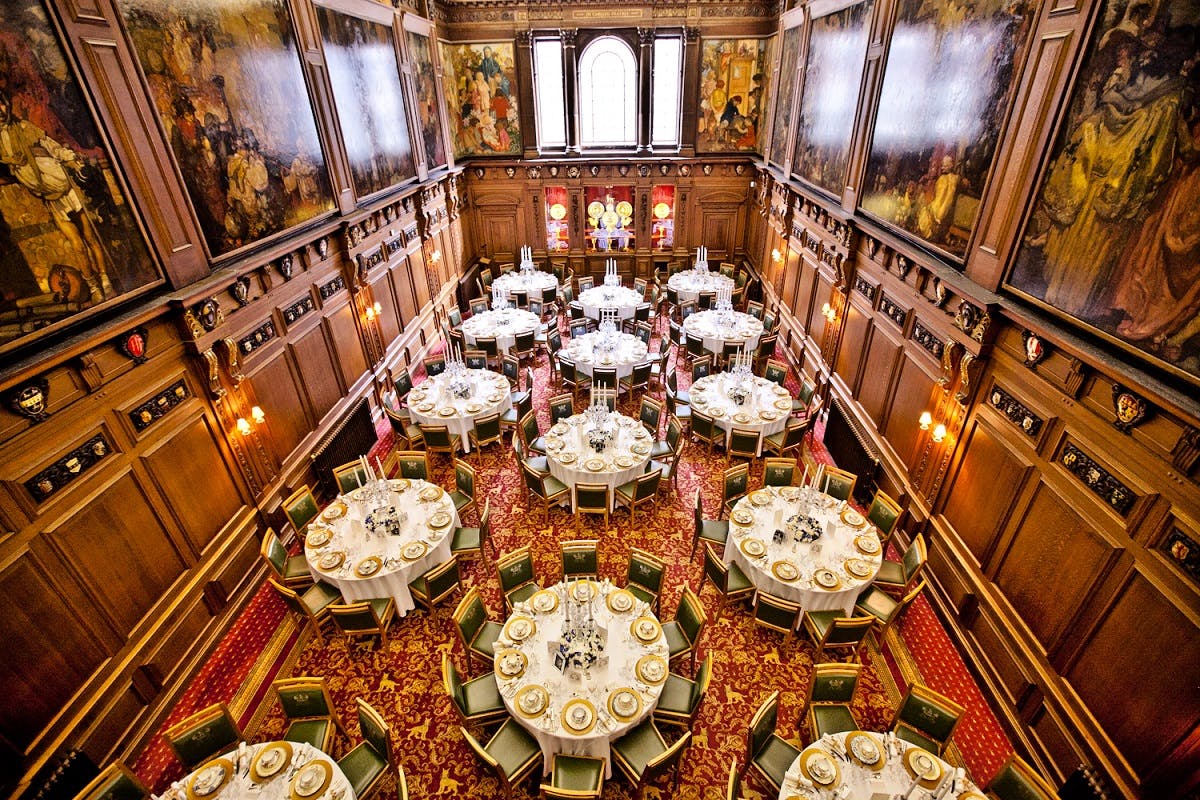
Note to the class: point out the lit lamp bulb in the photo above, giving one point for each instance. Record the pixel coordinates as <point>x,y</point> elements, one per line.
<point>436,256</point>
<point>258,415</point>
<point>243,426</point>
<point>939,433</point>
<point>828,312</point>
<point>776,256</point>
<point>926,420</point>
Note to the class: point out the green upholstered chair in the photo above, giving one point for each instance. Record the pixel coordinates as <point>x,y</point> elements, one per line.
<point>575,778</point>
<point>637,379</point>
<point>477,701</point>
<point>512,754</point>
<point>561,407</point>
<point>926,718</point>
<point>518,579</point>
<point>805,395</point>
<point>310,712</point>
<point>679,703</point>
<point>544,487</point>
<point>644,576</point>
<point>487,431</point>
<point>1017,780</point>
<point>478,305</point>
<point>591,498</point>
<point>650,415</point>
<point>439,439</point>
<point>407,433</point>
<point>681,397</point>
<point>676,409</point>
<point>524,345</point>
<point>471,541</point>
<point>683,633</point>
<point>640,491</point>
<point>510,367</point>
<point>768,753</point>
<point>414,465</point>
<point>289,570</point>
<point>580,558</point>
<point>454,316</point>
<point>779,471</point>
<point>790,440</point>
<point>702,367</point>
<point>735,482</point>
<point>477,632</point>
<point>301,508</point>
<point>531,435</point>
<point>643,755</point>
<point>578,328</point>
<point>368,763</point>
<point>715,531</point>
<point>605,378</point>
<point>313,604</point>
<point>350,476</point>
<point>776,371</point>
<point>733,785</point>
<point>475,359</point>
<point>464,487</point>
<point>829,697</point>
<point>883,608</point>
<point>521,408</point>
<point>755,309</point>
<point>884,513</point>
<point>115,782</point>
<point>830,630</point>
<point>364,618</point>
<point>658,366</point>
<point>667,450</point>
<point>838,483</point>
<point>569,376</point>
<point>731,583</point>
<point>436,584</point>
<point>402,382</point>
<point>777,614</point>
<point>695,343</point>
<point>585,283</point>
<point>899,576</point>
<point>207,733</point>
<point>743,443</point>
<point>490,347</point>
<point>434,365</point>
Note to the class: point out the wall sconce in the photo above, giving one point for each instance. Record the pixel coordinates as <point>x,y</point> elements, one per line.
<point>776,256</point>
<point>258,415</point>
<point>373,311</point>
<point>828,312</point>
<point>436,256</point>
<point>243,427</point>
<point>939,434</point>
<point>926,420</point>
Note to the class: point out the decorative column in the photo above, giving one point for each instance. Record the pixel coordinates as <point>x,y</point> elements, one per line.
<point>691,77</point>
<point>571,87</point>
<point>527,106</point>
<point>645,75</point>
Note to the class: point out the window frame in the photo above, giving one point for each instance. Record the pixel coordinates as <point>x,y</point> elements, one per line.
<point>583,44</point>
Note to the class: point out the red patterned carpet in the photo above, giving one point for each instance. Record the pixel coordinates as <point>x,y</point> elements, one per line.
<point>403,679</point>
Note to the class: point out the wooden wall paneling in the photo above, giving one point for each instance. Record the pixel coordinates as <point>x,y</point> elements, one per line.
<point>404,287</point>
<point>855,339</point>
<point>1006,663</point>
<point>912,393</point>
<point>417,277</point>
<point>389,320</point>
<point>803,293</point>
<point>278,384</point>
<point>499,221</point>
<point>881,361</point>
<point>345,348</point>
<point>319,376</point>
<point>1057,735</point>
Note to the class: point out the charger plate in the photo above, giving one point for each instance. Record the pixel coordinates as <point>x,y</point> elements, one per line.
<point>531,701</point>
<point>651,669</point>
<point>209,779</point>
<point>867,545</point>
<point>923,765</point>
<point>820,768</point>
<point>331,560</point>
<point>520,628</point>
<point>413,550</point>
<point>368,566</point>
<point>578,716</point>
<point>511,664</point>
<point>312,779</point>
<point>627,699</point>
<point>645,629</point>
<point>620,601</point>
<point>270,761</point>
<point>826,579</point>
<point>318,538</point>
<point>544,601</point>
<point>859,744</point>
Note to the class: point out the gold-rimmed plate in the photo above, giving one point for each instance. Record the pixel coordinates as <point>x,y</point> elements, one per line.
<point>645,629</point>
<point>582,591</point>
<point>826,579</point>
<point>853,518</point>
<point>640,448</point>
<point>368,566</point>
<point>544,601</point>
<point>867,545</point>
<point>777,389</point>
<point>716,411</point>
<point>594,464</point>
<point>334,511</point>
<point>414,550</point>
<point>425,407</point>
<point>820,767</point>
<point>559,428</point>
<point>753,548</point>
<point>924,766</point>
<point>531,701</point>
<point>620,601</point>
<point>331,560</point>
<point>312,779</point>
<point>865,749</point>
<point>566,456</point>
<point>858,568</point>
<point>439,520</point>
<point>209,779</point>
<point>399,484</point>
<point>768,415</point>
<point>318,538</point>
<point>783,404</point>
<point>474,408</point>
<point>624,704</point>
<point>430,493</point>
<point>699,402</point>
<point>518,629</point>
<point>511,664</point>
<point>447,411</point>
<point>785,570</point>
<point>741,417</point>
<point>651,669</point>
<point>270,761</point>
<point>742,516</point>
<point>495,398</point>
<point>578,716</point>
<point>623,461</point>
<point>760,497</point>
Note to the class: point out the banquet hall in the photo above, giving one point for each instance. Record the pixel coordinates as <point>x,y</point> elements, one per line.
<point>599,399</point>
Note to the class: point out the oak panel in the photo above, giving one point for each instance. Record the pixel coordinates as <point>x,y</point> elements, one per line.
<point>881,358</point>
<point>402,284</point>
<point>993,648</point>
<point>1056,735</point>
<point>420,284</point>
<point>1051,566</point>
<point>281,399</point>
<point>347,347</point>
<point>317,372</point>
<point>1137,674</point>
<point>855,330</point>
<point>793,272</point>
<point>973,507</point>
<point>911,396</point>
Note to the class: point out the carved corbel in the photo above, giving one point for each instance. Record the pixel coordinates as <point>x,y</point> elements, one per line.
<point>948,351</point>
<point>964,378</point>
<point>232,366</point>
<point>214,374</point>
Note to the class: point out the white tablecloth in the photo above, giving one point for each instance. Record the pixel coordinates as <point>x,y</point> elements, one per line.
<point>622,298</point>
<point>690,283</point>
<point>532,283</point>
<point>623,651</point>
<point>571,456</point>
<point>489,395</point>
<point>836,760</point>
<point>399,566</point>
<point>838,542</point>
<point>757,413</point>
<point>718,327</point>
<point>504,325</point>
<point>242,784</point>
<point>629,351</point>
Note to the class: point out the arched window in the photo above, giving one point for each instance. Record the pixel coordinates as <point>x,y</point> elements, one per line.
<point>607,94</point>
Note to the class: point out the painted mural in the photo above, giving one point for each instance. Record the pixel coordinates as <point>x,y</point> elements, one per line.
<point>837,47</point>
<point>360,55</point>
<point>732,88</point>
<point>69,242</point>
<point>1114,236</point>
<point>228,86</point>
<point>946,89</point>
<point>425,81</point>
<point>781,130</point>
<point>480,82</point>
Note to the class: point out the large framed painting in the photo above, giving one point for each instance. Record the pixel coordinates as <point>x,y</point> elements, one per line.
<point>609,218</point>
<point>69,242</point>
<point>781,129</point>
<point>947,85</point>
<point>227,82</point>
<point>837,48</point>
<point>429,115</point>
<point>1113,237</point>
<point>361,57</point>
<point>480,81</point>
<point>732,87</point>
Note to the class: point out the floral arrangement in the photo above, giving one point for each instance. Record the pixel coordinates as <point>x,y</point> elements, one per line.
<point>804,529</point>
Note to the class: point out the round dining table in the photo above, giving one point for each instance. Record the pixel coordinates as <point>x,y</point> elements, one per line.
<point>373,541</point>
<point>718,327</point>
<point>573,458</point>
<point>266,771</point>
<point>443,400</point>
<point>580,664</point>
<point>804,546</point>
<point>622,298</point>
<point>592,350</point>
<point>747,402</point>
<point>533,283</point>
<point>689,283</point>
<point>862,765</point>
<point>504,324</point>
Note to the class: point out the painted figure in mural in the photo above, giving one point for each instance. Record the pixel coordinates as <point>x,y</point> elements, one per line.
<point>46,170</point>
<point>481,100</point>
<point>248,216</point>
<point>731,88</point>
<point>935,216</point>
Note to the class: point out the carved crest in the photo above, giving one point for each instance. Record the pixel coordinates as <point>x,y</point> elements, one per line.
<point>203,317</point>
<point>707,169</point>
<point>133,344</point>
<point>323,247</point>
<point>1128,407</point>
<point>510,172</point>
<point>30,399</point>
<point>553,170</point>
<point>1035,351</point>
<point>478,172</point>
<point>685,170</point>
<point>594,170</point>
<point>573,171</point>
<point>240,289</point>
<point>623,170</point>
<point>643,170</point>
